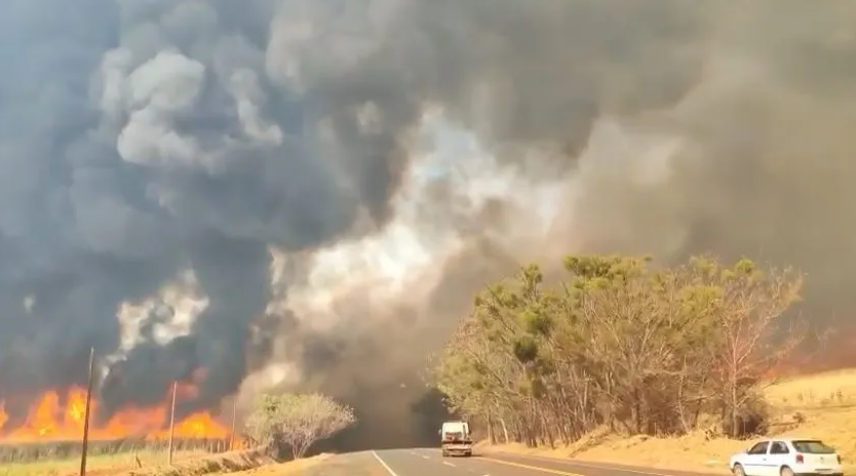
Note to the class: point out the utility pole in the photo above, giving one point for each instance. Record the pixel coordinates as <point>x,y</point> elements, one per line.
<point>85,445</point>
<point>172,422</point>
<point>234,421</point>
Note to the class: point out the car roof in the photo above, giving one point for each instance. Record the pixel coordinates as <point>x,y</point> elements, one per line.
<point>787,438</point>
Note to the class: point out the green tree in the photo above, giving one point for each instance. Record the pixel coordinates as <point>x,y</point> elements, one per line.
<point>619,342</point>
<point>748,304</point>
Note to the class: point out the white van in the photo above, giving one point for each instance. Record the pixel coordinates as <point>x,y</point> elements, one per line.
<point>455,438</point>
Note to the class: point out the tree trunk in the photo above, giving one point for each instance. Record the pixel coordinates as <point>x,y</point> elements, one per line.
<point>491,437</point>
<point>504,430</point>
<point>734,414</point>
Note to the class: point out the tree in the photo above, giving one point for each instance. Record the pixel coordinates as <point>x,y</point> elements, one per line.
<point>265,424</point>
<point>619,342</point>
<point>297,421</point>
<point>748,303</point>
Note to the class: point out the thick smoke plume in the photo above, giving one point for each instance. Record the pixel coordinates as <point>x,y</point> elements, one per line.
<point>305,193</point>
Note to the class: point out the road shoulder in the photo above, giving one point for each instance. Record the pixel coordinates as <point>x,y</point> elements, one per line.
<point>593,468</point>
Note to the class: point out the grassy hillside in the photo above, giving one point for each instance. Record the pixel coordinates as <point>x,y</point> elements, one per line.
<point>818,406</point>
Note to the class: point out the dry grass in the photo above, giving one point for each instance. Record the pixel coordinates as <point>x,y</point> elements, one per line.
<point>817,406</point>
<point>153,464</point>
<point>230,462</point>
<point>96,464</point>
<point>820,391</point>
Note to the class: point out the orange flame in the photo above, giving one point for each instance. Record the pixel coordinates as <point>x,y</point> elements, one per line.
<point>3,416</point>
<point>54,419</point>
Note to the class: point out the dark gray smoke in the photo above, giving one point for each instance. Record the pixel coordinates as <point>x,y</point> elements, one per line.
<point>140,139</point>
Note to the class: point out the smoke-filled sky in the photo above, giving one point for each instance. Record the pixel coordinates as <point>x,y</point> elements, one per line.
<point>307,192</point>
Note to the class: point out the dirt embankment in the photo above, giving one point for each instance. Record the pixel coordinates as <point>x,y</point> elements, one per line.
<point>285,469</point>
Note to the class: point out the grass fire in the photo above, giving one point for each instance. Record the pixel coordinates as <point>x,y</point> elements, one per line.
<point>59,416</point>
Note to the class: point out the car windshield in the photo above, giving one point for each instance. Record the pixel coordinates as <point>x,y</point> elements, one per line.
<point>813,447</point>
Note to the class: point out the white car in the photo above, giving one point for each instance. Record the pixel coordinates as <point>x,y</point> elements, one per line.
<point>787,457</point>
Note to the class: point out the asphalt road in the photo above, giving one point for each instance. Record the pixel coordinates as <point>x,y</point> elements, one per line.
<point>429,462</point>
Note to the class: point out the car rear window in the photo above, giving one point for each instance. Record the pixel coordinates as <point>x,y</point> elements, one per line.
<point>813,447</point>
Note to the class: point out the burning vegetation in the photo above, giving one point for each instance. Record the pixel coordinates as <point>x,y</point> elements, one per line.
<point>59,416</point>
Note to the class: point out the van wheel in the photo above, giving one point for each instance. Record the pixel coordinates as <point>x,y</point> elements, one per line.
<point>786,471</point>
<point>738,470</point>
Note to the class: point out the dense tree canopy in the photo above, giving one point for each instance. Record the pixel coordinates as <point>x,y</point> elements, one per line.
<point>621,343</point>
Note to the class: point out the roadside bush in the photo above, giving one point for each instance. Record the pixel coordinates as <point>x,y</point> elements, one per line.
<point>753,418</point>
<point>297,421</point>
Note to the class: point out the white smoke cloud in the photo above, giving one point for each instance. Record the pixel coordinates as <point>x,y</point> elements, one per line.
<point>161,318</point>
<point>404,262</point>
<point>155,94</point>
